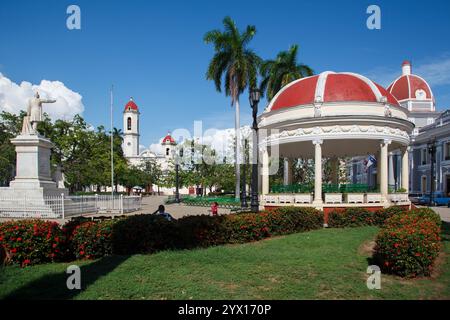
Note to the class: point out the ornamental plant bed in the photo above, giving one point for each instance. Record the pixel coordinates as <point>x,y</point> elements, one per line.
<point>27,242</point>
<point>333,197</point>
<point>146,234</point>
<point>354,197</point>
<point>409,243</point>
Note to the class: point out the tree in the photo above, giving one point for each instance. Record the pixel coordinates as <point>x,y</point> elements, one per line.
<point>10,127</point>
<point>238,65</point>
<point>281,71</point>
<point>153,174</point>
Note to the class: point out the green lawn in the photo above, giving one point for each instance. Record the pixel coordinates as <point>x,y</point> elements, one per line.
<point>322,264</point>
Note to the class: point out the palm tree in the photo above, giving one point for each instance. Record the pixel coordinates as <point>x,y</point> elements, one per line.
<point>279,72</point>
<point>238,65</point>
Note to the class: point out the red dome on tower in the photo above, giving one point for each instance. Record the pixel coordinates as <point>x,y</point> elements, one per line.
<point>331,87</point>
<point>168,139</point>
<point>131,106</point>
<point>410,86</point>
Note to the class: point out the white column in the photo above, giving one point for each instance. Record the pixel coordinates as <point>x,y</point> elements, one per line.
<point>405,169</point>
<point>317,172</point>
<point>265,172</point>
<point>383,164</point>
<point>391,177</point>
<point>287,174</point>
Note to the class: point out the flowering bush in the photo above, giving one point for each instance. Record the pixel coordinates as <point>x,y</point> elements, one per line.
<point>91,240</point>
<point>355,217</point>
<point>350,217</point>
<point>380,216</point>
<point>409,242</point>
<point>28,242</point>
<point>201,231</point>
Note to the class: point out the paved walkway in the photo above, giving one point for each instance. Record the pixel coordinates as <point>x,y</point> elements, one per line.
<point>444,212</point>
<point>150,205</point>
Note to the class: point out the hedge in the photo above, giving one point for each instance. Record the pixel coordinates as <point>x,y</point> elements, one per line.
<point>152,233</point>
<point>409,242</point>
<point>355,217</point>
<point>31,241</point>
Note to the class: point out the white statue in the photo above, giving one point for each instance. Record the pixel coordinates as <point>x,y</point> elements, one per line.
<point>34,114</point>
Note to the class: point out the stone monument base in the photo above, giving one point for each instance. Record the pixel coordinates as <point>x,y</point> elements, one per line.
<point>33,185</point>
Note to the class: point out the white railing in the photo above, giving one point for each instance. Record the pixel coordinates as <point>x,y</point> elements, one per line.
<point>62,206</point>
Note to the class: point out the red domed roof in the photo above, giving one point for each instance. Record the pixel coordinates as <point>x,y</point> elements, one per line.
<point>168,139</point>
<point>410,86</point>
<point>131,106</point>
<point>330,87</point>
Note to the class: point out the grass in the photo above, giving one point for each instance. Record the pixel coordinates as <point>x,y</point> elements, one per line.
<point>322,264</point>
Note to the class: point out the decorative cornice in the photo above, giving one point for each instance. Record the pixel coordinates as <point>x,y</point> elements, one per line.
<point>338,132</point>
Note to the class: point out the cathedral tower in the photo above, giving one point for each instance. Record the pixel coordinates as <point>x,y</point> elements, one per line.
<point>131,129</point>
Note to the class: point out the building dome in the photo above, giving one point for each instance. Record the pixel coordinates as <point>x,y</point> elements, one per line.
<point>131,106</point>
<point>410,86</point>
<point>331,87</point>
<point>168,140</point>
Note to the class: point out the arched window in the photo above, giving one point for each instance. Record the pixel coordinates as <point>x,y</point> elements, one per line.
<point>129,123</point>
<point>167,151</point>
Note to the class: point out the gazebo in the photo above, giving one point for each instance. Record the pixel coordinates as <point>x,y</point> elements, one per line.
<point>333,115</point>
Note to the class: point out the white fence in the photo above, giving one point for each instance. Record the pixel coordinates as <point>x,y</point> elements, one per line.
<point>52,207</point>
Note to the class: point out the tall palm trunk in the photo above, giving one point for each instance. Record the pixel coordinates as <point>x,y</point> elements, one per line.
<point>237,149</point>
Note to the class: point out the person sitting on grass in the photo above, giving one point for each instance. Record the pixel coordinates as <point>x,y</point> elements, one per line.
<point>162,211</point>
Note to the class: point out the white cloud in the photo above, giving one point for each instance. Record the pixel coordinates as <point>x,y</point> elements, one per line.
<point>436,72</point>
<point>221,140</point>
<point>157,148</point>
<point>14,97</point>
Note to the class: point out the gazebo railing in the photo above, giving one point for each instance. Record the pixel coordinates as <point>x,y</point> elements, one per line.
<point>326,188</point>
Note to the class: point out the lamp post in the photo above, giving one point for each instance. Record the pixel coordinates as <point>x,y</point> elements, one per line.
<point>255,95</point>
<point>244,178</point>
<point>177,176</point>
<point>432,152</point>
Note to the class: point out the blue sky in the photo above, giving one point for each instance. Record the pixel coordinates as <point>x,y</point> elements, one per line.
<point>154,50</point>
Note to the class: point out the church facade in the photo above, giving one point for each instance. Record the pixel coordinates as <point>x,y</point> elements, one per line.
<point>131,145</point>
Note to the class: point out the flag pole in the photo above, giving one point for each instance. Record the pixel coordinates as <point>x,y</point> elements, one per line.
<point>112,145</point>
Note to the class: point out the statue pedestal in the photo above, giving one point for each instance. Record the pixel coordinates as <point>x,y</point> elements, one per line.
<point>33,174</point>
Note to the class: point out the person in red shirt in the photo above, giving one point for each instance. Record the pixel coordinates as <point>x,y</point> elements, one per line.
<point>215,208</point>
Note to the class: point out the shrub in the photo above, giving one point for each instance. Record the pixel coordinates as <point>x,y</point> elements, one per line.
<point>350,217</point>
<point>31,241</point>
<point>355,217</point>
<point>91,240</point>
<point>409,243</point>
<point>292,219</point>
<point>201,231</point>
<point>143,234</point>
<point>246,227</point>
<point>380,216</point>
<point>251,227</point>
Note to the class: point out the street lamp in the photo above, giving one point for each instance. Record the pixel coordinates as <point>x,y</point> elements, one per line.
<point>177,176</point>
<point>255,95</point>
<point>432,151</point>
<point>244,178</point>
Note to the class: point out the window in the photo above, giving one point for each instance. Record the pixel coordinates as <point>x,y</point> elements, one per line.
<point>423,156</point>
<point>129,123</point>
<point>423,186</point>
<point>447,150</point>
<point>167,151</point>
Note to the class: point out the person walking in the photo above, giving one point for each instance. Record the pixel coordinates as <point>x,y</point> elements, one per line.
<point>215,208</point>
